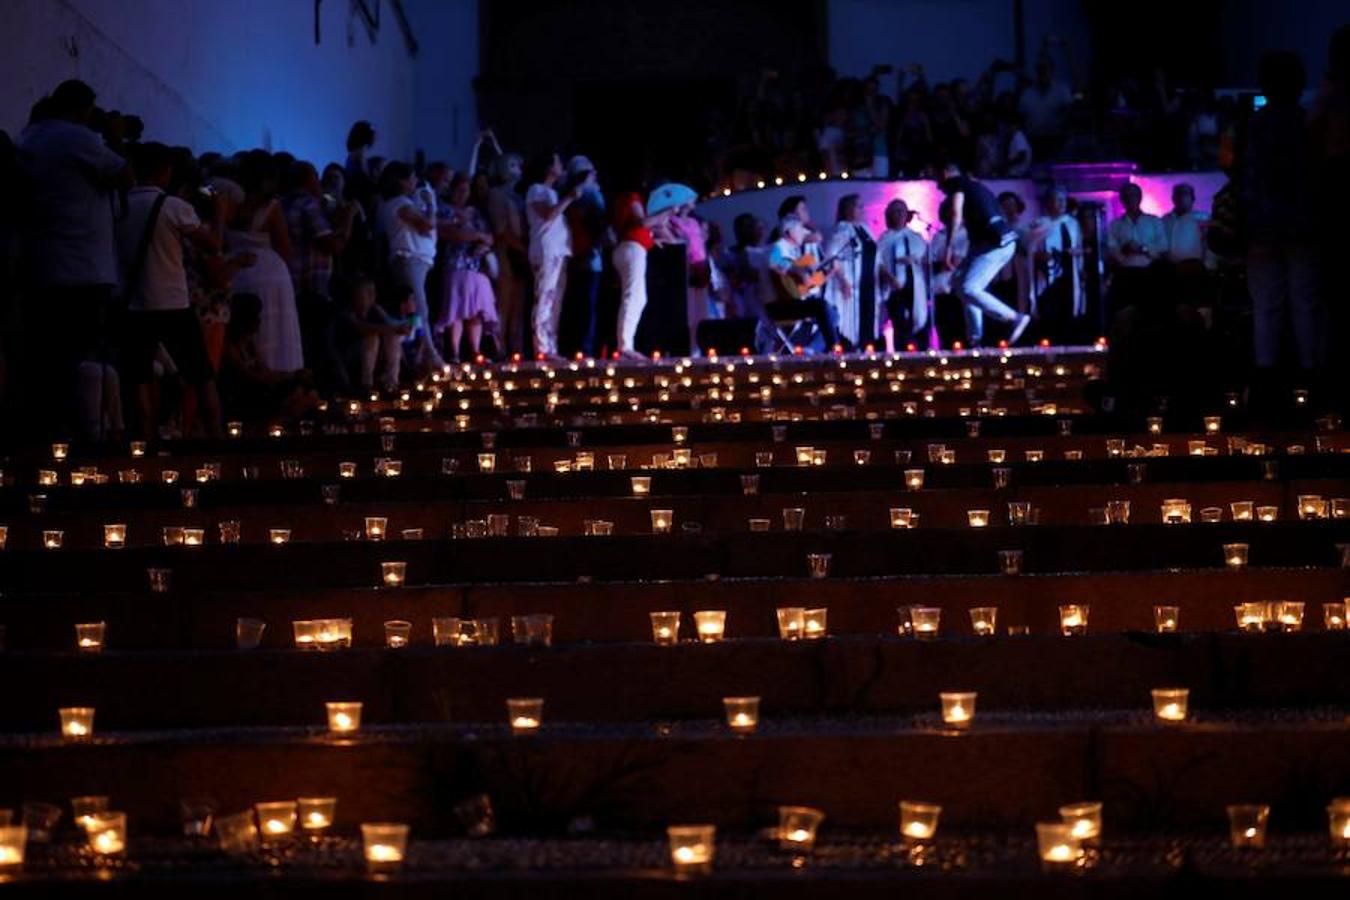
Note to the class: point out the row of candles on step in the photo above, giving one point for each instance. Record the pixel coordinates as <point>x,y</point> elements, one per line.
<point>794,623</point>
<point>1061,845</point>
<point>525,715</point>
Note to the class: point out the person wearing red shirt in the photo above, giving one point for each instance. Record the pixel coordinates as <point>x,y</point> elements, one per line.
<point>637,233</point>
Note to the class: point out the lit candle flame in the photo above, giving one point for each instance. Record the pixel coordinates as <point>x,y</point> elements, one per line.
<point>918,830</point>
<point>108,842</point>
<point>1060,853</point>
<point>383,853</point>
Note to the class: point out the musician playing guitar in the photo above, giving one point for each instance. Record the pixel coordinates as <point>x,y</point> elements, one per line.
<point>798,282</point>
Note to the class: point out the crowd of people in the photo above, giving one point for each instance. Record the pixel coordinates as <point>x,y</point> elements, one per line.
<point>998,126</point>
<point>189,289</point>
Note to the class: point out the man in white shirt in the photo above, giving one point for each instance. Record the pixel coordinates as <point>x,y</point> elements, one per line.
<point>902,278</point>
<point>159,313</point>
<point>1134,242</point>
<point>1057,259</point>
<point>1185,228</point>
<point>550,247</point>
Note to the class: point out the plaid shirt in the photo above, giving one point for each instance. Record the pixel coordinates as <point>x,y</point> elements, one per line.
<point>311,268</point>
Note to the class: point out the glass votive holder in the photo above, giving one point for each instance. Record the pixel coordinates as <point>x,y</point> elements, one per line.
<point>234,429</point>
<point>750,484</point>
<point>924,621</point>
<point>763,459</point>
<point>1073,619</point>
<point>1253,616</point>
<point>172,535</point>
<point>1118,512</point>
<point>958,708</point>
<point>692,848</point>
<point>1235,555</point>
<point>1247,824</point>
<point>53,539</point>
<point>107,833</point>
<point>47,477</point>
<point>1340,507</point>
<point>977,518</point>
<point>641,485</point>
<point>815,623</point>
<point>248,633</point>
<point>525,714</point>
<point>662,520</point>
<point>791,622</point>
<point>617,461</point>
<point>89,636</point>
<point>1170,705</point>
<point>1035,456</point>
<point>901,517</point>
<point>1019,511</point>
<point>115,536</point>
<point>533,630</point>
<point>1211,515</point>
<point>1338,820</point>
<point>710,625</point>
<point>393,573</point>
<point>665,627</point>
<point>278,536</point>
<point>230,531</point>
<point>1001,475</point>
<point>1241,510</point>
<point>1176,512</point>
<point>759,525</point>
<point>1097,515</point>
<point>447,631</point>
<point>1267,513</point>
<point>797,827</point>
<point>316,814</point>
<point>397,633</point>
<point>40,819</point>
<point>197,815</point>
<point>919,820</point>
<point>515,489</point>
<point>1136,472</point>
<point>1289,615</point>
<point>277,819</point>
<point>862,457</point>
<point>793,518</point>
<point>1010,562</point>
<point>77,722</point>
<point>1333,616</point>
<point>346,470</point>
<point>483,632</point>
<point>1166,619</point>
<point>384,845</point>
<point>1084,820</point>
<point>83,809</point>
<point>1059,850</point>
<point>914,479</point>
<point>818,564</point>
<point>1213,424</point>
<point>804,455</point>
<point>487,462</point>
<point>376,528</point>
<point>169,476</point>
<point>415,534</point>
<point>1311,507</point>
<point>344,717</point>
<point>237,833</point>
<point>984,620</point>
<point>680,457</point>
<point>742,714</point>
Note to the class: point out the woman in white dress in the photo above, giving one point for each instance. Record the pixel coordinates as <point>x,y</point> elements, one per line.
<point>257,225</point>
<point>851,287</point>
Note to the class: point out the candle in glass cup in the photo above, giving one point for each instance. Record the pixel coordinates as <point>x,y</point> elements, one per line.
<point>1333,616</point>
<point>1252,616</point>
<point>1235,555</point>
<point>316,813</point>
<point>53,539</point>
<point>84,809</point>
<point>1010,562</point>
<point>710,625</point>
<point>984,620</point>
<point>662,520</point>
<point>1018,512</point>
<point>797,827</point>
<point>742,714</point>
<point>47,477</point>
<point>1171,704</point>
<point>818,564</point>
<point>107,833</point>
<point>1213,424</point>
<point>397,633</point>
<point>977,518</point>
<point>958,708</point>
<point>862,457</point>
<point>691,848</point>
<point>665,627</point>
<point>804,455</point>
<point>1057,846</point>
<point>914,479</point>
<point>487,462</point>
<point>1311,506</point>
<point>77,722</point>
<point>793,518</point>
<point>344,717</point>
<point>901,517</point>
<point>376,528</point>
<point>89,636</point>
<point>115,535</point>
<point>525,714</point>
<point>641,485</point>
<point>924,621</point>
<point>346,470</point>
<point>918,820</point>
<point>384,845</point>
<point>1338,819</point>
<point>1289,615</point>
<point>1176,511</point>
<point>1166,619</point>
<point>791,622</point>
<point>393,573</point>
<point>1241,510</point>
<point>815,623</point>
<point>1083,819</point>
<point>1073,619</point>
<point>1247,824</point>
<point>1267,513</point>
<point>278,536</point>
<point>276,819</point>
<point>447,631</point>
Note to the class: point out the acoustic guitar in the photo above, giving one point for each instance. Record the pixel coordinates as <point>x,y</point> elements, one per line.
<point>806,275</point>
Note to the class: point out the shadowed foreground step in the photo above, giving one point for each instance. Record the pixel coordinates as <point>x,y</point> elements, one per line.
<point>977,865</point>
<point>1008,769</point>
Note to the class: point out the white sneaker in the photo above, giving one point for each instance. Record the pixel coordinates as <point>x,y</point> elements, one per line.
<point>1021,326</point>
